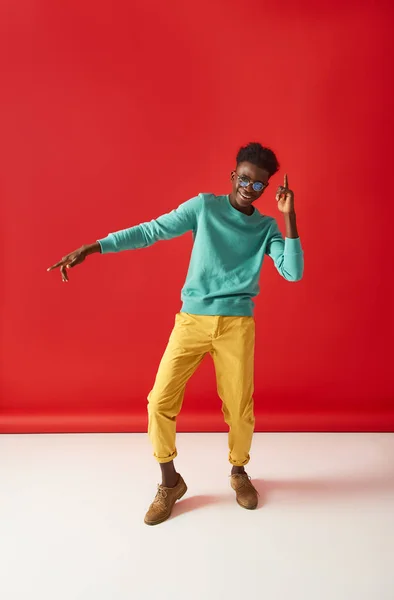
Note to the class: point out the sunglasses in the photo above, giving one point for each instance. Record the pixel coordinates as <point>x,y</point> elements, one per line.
<point>244,181</point>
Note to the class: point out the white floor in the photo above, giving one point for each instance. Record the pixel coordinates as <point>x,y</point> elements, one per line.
<point>72,508</point>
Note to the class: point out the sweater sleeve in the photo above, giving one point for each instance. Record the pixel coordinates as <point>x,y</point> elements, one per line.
<point>286,253</point>
<point>166,227</point>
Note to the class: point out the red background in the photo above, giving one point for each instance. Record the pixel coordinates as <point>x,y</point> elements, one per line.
<point>113,113</point>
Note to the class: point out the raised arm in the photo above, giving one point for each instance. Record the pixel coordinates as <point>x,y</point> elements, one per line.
<point>286,253</point>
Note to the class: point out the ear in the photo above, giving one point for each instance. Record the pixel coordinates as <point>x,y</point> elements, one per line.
<point>232,175</point>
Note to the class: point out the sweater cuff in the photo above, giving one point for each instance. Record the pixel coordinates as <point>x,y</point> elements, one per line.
<point>107,245</point>
<point>293,246</point>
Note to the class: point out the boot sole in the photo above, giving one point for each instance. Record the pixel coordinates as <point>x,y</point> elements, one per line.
<point>158,521</point>
<point>248,507</point>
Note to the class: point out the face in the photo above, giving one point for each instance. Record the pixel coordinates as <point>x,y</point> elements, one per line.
<point>243,197</point>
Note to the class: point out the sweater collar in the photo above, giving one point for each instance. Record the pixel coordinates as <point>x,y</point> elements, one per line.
<point>240,215</point>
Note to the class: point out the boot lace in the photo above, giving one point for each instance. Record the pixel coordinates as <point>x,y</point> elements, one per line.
<point>160,496</point>
<point>244,481</point>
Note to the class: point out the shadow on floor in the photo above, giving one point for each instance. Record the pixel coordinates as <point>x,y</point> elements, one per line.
<point>283,491</point>
<point>195,502</point>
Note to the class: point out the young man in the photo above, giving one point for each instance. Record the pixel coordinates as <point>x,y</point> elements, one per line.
<point>231,238</point>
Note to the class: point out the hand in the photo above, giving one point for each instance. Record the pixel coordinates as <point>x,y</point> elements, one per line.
<point>285,198</point>
<point>69,261</point>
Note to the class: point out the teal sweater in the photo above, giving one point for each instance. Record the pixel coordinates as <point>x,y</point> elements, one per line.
<point>227,256</point>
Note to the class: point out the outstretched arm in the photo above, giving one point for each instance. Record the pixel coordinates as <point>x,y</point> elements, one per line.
<point>168,226</point>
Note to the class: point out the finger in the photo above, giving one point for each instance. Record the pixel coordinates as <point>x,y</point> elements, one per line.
<point>72,263</point>
<point>58,264</point>
<point>286,181</point>
<point>64,274</point>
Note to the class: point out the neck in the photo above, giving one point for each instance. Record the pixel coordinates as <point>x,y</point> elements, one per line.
<point>246,210</point>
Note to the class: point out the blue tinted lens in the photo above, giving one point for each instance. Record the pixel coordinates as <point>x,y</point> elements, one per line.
<point>244,182</point>
<point>258,186</point>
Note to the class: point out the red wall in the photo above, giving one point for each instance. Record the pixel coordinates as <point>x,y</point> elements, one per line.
<point>113,113</point>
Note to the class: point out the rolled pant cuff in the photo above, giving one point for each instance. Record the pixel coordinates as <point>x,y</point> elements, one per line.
<point>166,459</point>
<point>239,463</point>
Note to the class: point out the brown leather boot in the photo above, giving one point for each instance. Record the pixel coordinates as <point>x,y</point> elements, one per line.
<point>247,495</point>
<point>162,505</point>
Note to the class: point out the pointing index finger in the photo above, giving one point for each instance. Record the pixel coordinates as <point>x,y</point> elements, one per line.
<point>56,265</point>
<point>286,181</point>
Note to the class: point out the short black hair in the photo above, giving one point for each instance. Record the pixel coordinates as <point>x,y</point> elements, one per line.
<point>258,155</point>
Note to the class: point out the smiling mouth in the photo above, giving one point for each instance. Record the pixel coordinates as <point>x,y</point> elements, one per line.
<point>245,196</point>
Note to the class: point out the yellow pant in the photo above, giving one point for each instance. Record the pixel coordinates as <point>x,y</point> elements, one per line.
<point>230,341</point>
